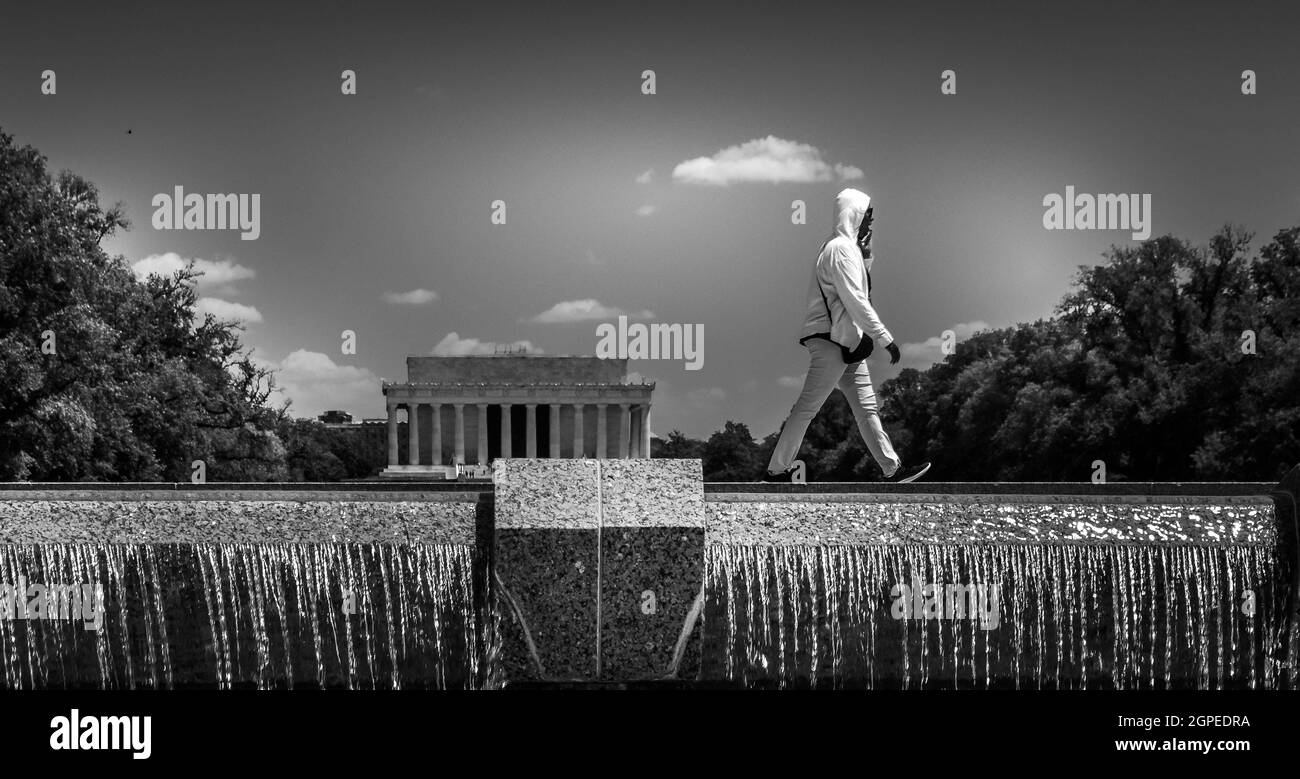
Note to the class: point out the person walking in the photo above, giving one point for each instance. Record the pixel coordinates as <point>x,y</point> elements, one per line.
<point>839,330</point>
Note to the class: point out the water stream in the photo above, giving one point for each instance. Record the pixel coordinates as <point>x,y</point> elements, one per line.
<point>1014,615</point>
<point>356,616</point>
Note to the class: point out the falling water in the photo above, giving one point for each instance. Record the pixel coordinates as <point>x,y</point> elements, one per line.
<point>1067,616</point>
<point>369,616</point>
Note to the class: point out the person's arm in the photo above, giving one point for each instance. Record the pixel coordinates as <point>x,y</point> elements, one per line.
<point>846,272</point>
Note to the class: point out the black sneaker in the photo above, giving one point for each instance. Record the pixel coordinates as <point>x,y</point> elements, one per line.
<point>786,476</point>
<point>908,473</point>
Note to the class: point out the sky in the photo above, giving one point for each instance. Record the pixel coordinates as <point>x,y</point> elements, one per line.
<point>376,208</point>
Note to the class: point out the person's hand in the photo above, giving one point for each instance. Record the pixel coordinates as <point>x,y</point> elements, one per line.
<point>894,355</point>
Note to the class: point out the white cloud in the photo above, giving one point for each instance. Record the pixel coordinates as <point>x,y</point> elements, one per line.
<point>218,275</point>
<point>769,159</point>
<point>646,210</point>
<point>315,384</point>
<point>647,177</point>
<point>226,310</point>
<point>706,396</point>
<point>930,351</point>
<point>583,310</point>
<point>790,381</point>
<point>452,345</point>
<point>414,297</point>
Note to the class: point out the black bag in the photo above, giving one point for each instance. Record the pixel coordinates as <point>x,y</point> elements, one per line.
<point>863,350</point>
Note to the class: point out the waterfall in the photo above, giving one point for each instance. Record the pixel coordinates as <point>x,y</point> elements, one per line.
<point>278,615</point>
<point>1060,616</point>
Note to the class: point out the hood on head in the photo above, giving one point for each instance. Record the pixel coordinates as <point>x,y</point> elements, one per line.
<point>850,206</point>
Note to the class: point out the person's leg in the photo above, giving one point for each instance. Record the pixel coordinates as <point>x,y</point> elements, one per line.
<point>824,370</point>
<point>855,383</point>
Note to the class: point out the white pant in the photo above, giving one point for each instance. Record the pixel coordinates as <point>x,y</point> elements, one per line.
<point>827,371</point>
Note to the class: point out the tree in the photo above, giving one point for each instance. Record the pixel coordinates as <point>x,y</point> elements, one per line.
<point>677,446</point>
<point>731,454</point>
<point>1142,367</point>
<point>108,377</point>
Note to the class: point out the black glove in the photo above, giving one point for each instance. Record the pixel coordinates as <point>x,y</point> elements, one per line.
<point>894,355</point>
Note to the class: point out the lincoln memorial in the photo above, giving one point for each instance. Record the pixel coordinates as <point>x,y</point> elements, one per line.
<point>472,410</point>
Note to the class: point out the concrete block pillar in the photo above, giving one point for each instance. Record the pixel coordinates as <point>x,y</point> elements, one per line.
<point>601,580</point>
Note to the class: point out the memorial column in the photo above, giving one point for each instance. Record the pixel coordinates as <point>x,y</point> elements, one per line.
<point>624,429</point>
<point>392,435</point>
<point>505,430</point>
<point>413,433</point>
<point>531,447</point>
<point>555,430</point>
<point>437,433</point>
<point>602,431</point>
<point>460,433</point>
<point>579,444</point>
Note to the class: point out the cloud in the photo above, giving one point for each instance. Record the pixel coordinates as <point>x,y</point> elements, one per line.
<point>646,210</point>
<point>769,159</point>
<point>415,297</point>
<point>583,310</point>
<point>452,345</point>
<point>930,351</point>
<point>647,177</point>
<point>706,396</point>
<point>790,381</point>
<point>226,310</point>
<point>218,275</point>
<point>315,384</point>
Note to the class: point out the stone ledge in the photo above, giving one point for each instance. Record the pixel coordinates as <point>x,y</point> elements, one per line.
<point>785,523</point>
<point>237,522</point>
<point>958,488</point>
<point>329,490</point>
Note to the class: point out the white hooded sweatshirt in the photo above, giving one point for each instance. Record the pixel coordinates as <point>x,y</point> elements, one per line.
<point>841,273</point>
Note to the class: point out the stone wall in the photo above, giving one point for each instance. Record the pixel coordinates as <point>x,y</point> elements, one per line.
<point>631,571</point>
